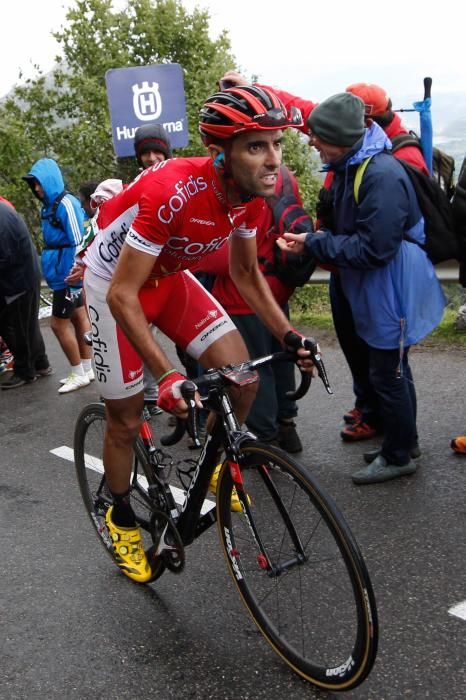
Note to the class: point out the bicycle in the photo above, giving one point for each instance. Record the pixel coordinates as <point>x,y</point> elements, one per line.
<point>290,553</point>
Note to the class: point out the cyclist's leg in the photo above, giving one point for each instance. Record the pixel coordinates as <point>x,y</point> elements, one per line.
<point>191,317</point>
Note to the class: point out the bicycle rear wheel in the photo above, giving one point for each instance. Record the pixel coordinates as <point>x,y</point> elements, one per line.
<point>88,457</point>
<point>298,569</point>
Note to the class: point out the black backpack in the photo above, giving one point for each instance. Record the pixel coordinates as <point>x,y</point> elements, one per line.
<point>442,240</point>
<point>458,206</point>
<point>292,269</point>
<point>443,165</point>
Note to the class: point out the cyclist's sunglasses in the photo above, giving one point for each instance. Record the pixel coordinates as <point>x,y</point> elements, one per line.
<point>278,117</point>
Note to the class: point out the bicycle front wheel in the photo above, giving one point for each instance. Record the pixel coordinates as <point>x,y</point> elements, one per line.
<point>88,457</point>
<point>298,569</point>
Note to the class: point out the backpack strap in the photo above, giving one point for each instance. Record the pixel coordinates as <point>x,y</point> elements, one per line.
<point>404,140</point>
<point>52,217</point>
<point>358,177</point>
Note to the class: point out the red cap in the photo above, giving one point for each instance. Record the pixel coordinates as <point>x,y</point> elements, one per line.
<point>374,97</point>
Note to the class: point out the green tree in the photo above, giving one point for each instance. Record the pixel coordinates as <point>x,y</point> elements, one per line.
<point>65,115</point>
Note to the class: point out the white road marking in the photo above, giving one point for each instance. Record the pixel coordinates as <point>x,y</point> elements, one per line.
<point>459,610</point>
<point>96,465</point>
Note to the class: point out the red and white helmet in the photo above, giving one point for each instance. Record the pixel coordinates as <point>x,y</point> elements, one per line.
<point>246,108</point>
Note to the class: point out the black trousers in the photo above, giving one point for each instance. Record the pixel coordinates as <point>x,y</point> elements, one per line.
<point>20,329</point>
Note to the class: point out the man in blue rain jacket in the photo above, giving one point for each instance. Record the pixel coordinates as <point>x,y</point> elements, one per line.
<point>390,285</point>
<point>62,223</point>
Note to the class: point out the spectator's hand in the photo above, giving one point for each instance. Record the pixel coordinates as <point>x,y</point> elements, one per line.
<point>292,242</point>
<point>232,76</point>
<point>75,274</point>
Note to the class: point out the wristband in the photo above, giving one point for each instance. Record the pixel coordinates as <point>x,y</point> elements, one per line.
<point>165,374</point>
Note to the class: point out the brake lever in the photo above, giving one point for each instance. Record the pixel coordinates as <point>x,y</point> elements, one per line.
<point>313,347</point>
<point>188,390</point>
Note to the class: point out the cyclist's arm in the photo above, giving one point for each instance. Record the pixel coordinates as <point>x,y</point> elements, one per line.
<point>252,286</point>
<point>132,270</point>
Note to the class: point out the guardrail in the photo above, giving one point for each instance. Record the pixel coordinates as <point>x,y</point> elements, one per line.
<point>446,272</point>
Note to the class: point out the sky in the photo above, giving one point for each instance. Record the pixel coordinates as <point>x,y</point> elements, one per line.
<point>311,49</point>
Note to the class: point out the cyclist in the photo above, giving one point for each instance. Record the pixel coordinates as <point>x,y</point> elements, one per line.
<point>163,223</point>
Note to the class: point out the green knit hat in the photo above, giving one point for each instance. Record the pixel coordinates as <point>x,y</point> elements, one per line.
<point>338,120</point>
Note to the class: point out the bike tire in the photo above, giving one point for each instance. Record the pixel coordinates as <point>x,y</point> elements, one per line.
<point>88,451</point>
<point>310,597</point>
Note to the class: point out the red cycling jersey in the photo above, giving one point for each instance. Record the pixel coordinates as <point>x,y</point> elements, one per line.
<point>175,211</point>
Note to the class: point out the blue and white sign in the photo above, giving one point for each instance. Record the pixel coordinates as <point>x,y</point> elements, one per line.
<point>145,95</point>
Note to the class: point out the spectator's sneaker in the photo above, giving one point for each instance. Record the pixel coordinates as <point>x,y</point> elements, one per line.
<point>458,444</point>
<point>128,550</point>
<point>288,438</point>
<point>13,382</point>
<point>90,375</point>
<point>44,372</point>
<point>235,504</point>
<point>352,416</point>
<point>151,405</point>
<point>414,453</point>
<point>358,431</point>
<point>74,382</point>
<point>379,470</point>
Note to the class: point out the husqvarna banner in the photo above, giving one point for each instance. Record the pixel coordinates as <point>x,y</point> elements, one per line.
<point>146,95</point>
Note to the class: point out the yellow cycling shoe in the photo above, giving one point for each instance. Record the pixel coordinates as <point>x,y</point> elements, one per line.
<point>235,504</point>
<point>128,550</point>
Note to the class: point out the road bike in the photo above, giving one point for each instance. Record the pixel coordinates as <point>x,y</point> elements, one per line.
<point>290,553</point>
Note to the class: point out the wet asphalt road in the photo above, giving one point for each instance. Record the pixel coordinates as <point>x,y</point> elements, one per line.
<point>72,627</point>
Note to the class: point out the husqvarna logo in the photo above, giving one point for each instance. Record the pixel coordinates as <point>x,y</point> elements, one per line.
<point>147,103</point>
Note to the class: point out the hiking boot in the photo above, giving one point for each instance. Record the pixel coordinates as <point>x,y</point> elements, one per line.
<point>235,503</point>
<point>379,470</point>
<point>128,550</point>
<point>46,372</point>
<point>352,416</point>
<point>414,453</point>
<point>288,438</point>
<point>14,382</point>
<point>358,431</point>
<point>90,375</point>
<point>74,382</point>
<point>458,444</point>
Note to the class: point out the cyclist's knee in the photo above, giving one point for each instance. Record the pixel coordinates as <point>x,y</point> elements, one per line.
<point>123,422</point>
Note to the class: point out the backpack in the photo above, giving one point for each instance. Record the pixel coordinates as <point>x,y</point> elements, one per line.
<point>292,269</point>
<point>52,217</point>
<point>458,205</point>
<point>443,165</point>
<point>442,241</point>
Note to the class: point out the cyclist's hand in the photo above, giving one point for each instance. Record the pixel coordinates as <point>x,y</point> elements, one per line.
<point>170,399</point>
<point>232,79</point>
<point>295,342</point>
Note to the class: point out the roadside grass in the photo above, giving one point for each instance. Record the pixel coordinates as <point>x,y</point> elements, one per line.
<point>310,306</point>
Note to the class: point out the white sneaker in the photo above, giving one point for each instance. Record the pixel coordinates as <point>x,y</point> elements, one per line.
<point>74,382</point>
<point>90,374</point>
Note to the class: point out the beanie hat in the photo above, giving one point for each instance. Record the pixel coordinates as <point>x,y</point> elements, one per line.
<point>151,137</point>
<point>375,98</point>
<point>338,120</point>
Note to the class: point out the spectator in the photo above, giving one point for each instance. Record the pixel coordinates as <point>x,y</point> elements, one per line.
<point>394,297</point>
<point>272,414</point>
<point>19,300</point>
<point>62,230</point>
<point>151,145</point>
<point>363,420</point>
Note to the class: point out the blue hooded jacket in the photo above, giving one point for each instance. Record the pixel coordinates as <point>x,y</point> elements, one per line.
<point>387,278</point>
<point>60,241</point>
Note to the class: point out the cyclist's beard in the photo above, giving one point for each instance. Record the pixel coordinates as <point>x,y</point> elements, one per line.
<point>232,187</point>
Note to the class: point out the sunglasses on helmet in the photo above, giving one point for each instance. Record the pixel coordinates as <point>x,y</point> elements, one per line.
<point>278,117</point>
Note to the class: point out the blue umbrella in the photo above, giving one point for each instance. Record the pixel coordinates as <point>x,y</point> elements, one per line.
<point>425,118</point>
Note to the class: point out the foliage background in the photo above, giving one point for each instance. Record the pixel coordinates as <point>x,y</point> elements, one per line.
<point>65,115</point>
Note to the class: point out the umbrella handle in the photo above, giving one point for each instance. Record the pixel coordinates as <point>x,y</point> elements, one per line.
<point>427,87</point>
